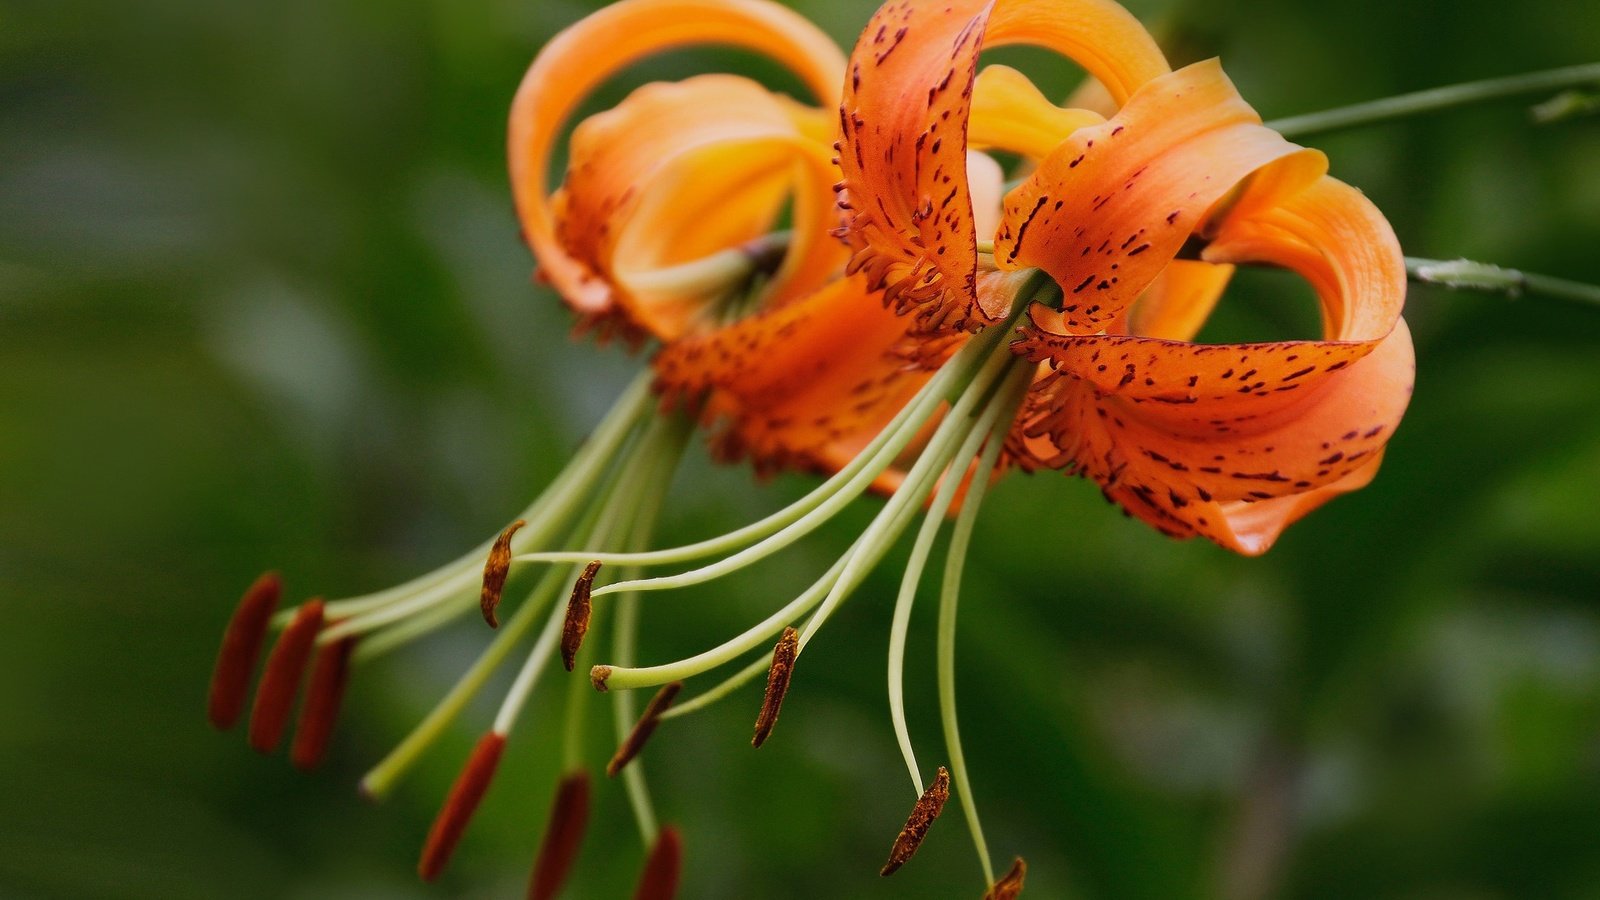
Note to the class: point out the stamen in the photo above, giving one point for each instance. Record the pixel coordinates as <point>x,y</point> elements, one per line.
<point>281,680</point>
<point>241,647</point>
<point>777,684</point>
<point>563,836</point>
<point>659,881</point>
<point>645,727</point>
<point>1010,885</point>
<point>578,609</point>
<point>325,692</point>
<point>928,807</point>
<point>465,795</point>
<point>495,570</point>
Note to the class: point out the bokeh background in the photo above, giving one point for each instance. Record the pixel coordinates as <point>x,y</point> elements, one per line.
<point>263,303</point>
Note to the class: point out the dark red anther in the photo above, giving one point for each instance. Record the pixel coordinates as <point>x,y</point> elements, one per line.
<point>577,622</point>
<point>783,656</point>
<point>642,729</point>
<point>563,836</point>
<point>1009,887</point>
<point>495,570</point>
<point>465,795</point>
<point>659,880</point>
<point>241,647</point>
<point>928,807</point>
<point>324,694</point>
<point>280,681</point>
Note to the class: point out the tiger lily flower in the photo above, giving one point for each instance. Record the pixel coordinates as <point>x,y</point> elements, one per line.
<point>959,330</point>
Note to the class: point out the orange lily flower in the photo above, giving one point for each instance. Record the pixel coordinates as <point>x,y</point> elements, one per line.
<point>899,359</point>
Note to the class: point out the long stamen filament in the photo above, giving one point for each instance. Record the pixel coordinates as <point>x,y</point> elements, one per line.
<point>949,598</point>
<point>570,492</point>
<point>1462,274</point>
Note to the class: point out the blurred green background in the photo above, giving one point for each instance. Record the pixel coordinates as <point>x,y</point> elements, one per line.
<point>263,303</point>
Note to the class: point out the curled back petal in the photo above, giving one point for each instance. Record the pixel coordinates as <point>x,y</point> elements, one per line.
<point>598,46</point>
<point>904,125</point>
<point>680,171</point>
<point>1110,207</point>
<point>1194,438</point>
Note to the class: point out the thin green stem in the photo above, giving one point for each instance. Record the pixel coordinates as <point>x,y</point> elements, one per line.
<point>1438,99</point>
<point>1462,274</point>
<point>949,598</point>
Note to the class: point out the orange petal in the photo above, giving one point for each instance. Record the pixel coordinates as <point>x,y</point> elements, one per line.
<point>1009,113</point>
<point>1236,441</point>
<point>605,42</point>
<point>1110,207</point>
<point>796,379</point>
<point>1179,301</point>
<point>904,125</point>
<point>680,171</point>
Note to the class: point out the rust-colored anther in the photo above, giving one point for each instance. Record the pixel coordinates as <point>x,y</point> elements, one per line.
<point>241,647</point>
<point>465,795</point>
<point>642,729</point>
<point>659,880</point>
<point>928,807</point>
<point>598,676</point>
<point>495,570</point>
<point>777,684</point>
<point>1010,884</point>
<point>577,623</point>
<point>563,836</point>
<point>280,681</point>
<point>324,693</point>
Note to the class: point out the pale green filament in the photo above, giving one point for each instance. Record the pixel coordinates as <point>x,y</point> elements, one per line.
<point>570,492</point>
<point>757,667</point>
<point>949,597</point>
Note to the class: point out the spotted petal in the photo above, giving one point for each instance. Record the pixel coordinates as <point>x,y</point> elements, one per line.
<point>1235,441</point>
<point>905,130</point>
<point>1108,209</point>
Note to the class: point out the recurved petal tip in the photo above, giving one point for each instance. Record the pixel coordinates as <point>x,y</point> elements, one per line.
<point>783,656</point>
<point>495,570</point>
<point>563,836</point>
<point>659,880</point>
<point>241,647</point>
<point>646,726</point>
<point>465,795</point>
<point>324,694</point>
<point>1009,887</point>
<point>577,622</point>
<point>928,807</point>
<point>280,682</point>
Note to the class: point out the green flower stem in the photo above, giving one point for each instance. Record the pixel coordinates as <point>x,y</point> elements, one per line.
<point>1461,274</point>
<point>949,598</point>
<point>1438,99</point>
<point>853,479</point>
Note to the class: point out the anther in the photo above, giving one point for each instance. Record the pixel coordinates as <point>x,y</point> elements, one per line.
<point>659,880</point>
<point>465,795</point>
<point>928,807</point>
<point>241,647</point>
<point>777,684</point>
<point>495,570</point>
<point>563,835</point>
<point>598,675</point>
<point>642,729</point>
<point>1010,884</point>
<point>577,623</point>
<point>324,693</point>
<point>281,679</point>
